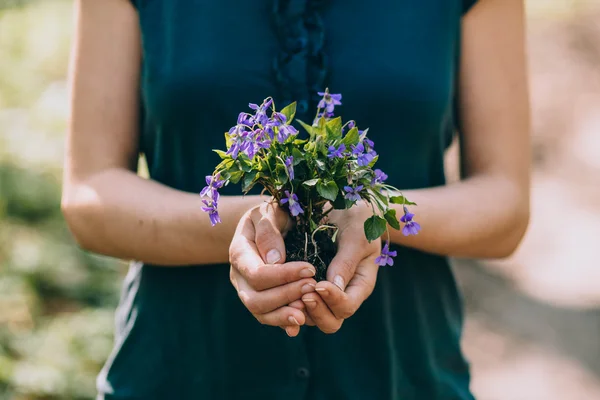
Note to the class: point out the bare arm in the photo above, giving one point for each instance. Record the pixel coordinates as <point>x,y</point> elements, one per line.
<point>109,209</point>
<point>486,214</point>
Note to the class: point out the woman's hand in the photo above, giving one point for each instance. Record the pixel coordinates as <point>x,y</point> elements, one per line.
<point>351,276</point>
<point>264,283</point>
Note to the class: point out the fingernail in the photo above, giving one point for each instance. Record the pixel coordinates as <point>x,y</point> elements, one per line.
<point>293,320</point>
<point>310,303</point>
<point>307,273</point>
<point>273,256</point>
<point>322,291</point>
<point>309,287</point>
<point>288,332</point>
<point>339,282</point>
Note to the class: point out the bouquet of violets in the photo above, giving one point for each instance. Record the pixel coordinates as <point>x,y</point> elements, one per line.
<point>330,168</point>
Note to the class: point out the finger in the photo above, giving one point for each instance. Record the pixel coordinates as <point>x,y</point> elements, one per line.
<point>338,302</point>
<point>342,267</point>
<point>362,284</point>
<point>344,304</point>
<point>266,276</point>
<point>261,302</point>
<point>320,314</point>
<point>284,316</point>
<point>299,304</point>
<point>292,331</point>
<point>269,222</point>
<point>242,250</point>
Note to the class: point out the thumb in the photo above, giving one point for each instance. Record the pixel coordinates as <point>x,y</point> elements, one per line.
<point>269,222</point>
<point>344,264</point>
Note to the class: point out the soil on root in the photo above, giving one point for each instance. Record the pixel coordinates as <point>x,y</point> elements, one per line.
<point>299,247</point>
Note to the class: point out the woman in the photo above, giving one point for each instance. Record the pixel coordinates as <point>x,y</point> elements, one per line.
<point>166,78</point>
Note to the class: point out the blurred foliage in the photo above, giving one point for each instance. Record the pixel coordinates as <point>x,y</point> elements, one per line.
<point>56,301</point>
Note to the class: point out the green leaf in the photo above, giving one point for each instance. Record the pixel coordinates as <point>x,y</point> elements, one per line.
<point>351,137</point>
<point>372,163</point>
<point>289,111</point>
<point>321,165</point>
<point>245,163</point>
<point>334,129</point>
<point>374,227</point>
<point>225,164</point>
<point>228,140</point>
<point>222,154</point>
<point>390,217</point>
<point>401,200</point>
<point>282,175</point>
<point>249,180</point>
<point>307,127</point>
<point>298,156</point>
<point>311,182</point>
<point>313,225</point>
<point>328,190</point>
<point>235,176</point>
<point>364,135</point>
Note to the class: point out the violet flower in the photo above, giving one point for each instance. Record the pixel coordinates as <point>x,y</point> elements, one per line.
<point>410,227</point>
<point>261,112</point>
<point>261,139</point>
<point>294,205</point>
<point>386,256</point>
<point>379,177</point>
<point>289,165</point>
<point>211,209</point>
<point>364,159</point>
<point>329,101</point>
<point>337,153</point>
<point>353,194</point>
<point>284,132</point>
<point>212,184</point>
<point>245,119</point>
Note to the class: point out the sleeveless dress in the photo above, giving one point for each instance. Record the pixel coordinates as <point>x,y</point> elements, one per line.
<point>181,332</point>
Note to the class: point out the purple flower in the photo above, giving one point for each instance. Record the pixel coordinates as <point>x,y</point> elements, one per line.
<point>289,165</point>
<point>294,205</point>
<point>353,194</point>
<point>285,131</point>
<point>278,118</point>
<point>386,256</point>
<point>262,139</point>
<point>369,143</point>
<point>364,159</point>
<point>261,111</point>
<point>410,227</point>
<point>238,135</point>
<point>379,177</point>
<point>211,209</point>
<point>329,101</point>
<point>212,184</point>
<point>245,119</point>
<point>337,153</point>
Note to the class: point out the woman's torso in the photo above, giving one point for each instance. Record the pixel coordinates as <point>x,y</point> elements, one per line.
<point>182,333</point>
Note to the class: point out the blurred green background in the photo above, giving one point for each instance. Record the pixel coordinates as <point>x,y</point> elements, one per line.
<point>533,326</point>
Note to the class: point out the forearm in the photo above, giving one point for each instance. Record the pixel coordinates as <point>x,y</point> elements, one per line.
<point>480,217</point>
<point>119,214</point>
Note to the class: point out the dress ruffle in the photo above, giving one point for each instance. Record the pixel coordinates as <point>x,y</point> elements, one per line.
<point>300,67</point>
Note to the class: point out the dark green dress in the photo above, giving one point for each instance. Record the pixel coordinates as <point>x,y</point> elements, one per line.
<point>182,333</point>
